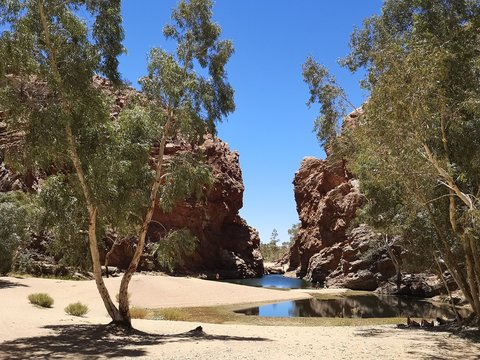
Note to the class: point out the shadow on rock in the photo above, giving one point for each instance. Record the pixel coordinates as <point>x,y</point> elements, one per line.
<point>94,341</point>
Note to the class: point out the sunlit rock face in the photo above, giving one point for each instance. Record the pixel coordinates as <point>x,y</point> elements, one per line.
<point>227,246</point>
<point>326,249</point>
<point>334,251</point>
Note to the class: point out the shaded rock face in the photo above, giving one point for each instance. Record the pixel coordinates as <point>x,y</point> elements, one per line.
<point>327,199</point>
<point>227,245</point>
<point>326,203</point>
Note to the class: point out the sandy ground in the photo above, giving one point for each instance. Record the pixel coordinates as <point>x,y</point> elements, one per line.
<point>28,332</point>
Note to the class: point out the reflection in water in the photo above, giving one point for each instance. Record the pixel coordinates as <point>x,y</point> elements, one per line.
<point>371,306</point>
<point>274,281</point>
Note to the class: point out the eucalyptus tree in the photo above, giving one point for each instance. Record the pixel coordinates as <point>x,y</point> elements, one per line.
<point>325,91</point>
<point>184,104</point>
<point>416,148</point>
<point>48,56</point>
<point>103,176</point>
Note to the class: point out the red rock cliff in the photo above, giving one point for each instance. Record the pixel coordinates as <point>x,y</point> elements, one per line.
<point>325,251</point>
<point>227,245</point>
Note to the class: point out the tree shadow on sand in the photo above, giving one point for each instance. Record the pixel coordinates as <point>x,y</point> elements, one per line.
<point>4,284</point>
<point>462,346</point>
<point>92,341</point>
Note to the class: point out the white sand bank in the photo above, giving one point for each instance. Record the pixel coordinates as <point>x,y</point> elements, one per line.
<point>28,332</point>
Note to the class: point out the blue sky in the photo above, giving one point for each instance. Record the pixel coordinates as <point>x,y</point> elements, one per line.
<point>271,127</point>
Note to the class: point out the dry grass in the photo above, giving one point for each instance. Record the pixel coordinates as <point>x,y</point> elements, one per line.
<point>41,299</point>
<point>129,296</point>
<point>138,313</point>
<point>173,314</point>
<point>76,309</point>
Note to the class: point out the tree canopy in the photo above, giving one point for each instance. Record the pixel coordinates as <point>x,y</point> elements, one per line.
<point>416,147</point>
<point>102,175</point>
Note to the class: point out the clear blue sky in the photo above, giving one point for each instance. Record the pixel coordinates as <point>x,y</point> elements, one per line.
<point>271,127</point>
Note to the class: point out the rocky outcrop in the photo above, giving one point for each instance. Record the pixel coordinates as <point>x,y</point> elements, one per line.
<point>326,203</point>
<point>327,199</point>
<point>329,249</point>
<point>226,244</point>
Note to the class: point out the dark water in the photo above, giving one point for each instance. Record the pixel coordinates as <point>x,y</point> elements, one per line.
<point>370,306</point>
<point>273,281</point>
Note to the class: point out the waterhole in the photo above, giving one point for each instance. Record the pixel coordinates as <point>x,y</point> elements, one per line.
<point>364,306</point>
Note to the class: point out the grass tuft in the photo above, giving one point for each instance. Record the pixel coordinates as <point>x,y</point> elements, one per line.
<point>138,313</point>
<point>76,309</point>
<point>41,299</point>
<point>172,314</point>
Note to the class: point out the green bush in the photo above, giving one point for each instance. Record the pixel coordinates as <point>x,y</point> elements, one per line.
<point>138,313</point>
<point>76,309</point>
<point>41,299</point>
<point>15,222</point>
<point>174,248</point>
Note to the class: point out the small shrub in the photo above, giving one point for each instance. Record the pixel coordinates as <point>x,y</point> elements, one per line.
<point>138,313</point>
<point>41,299</point>
<point>76,309</point>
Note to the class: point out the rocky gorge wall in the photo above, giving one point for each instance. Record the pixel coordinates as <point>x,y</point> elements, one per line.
<point>324,250</point>
<point>330,248</point>
<point>226,244</point>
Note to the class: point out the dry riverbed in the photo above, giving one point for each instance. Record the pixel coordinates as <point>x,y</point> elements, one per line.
<point>30,332</point>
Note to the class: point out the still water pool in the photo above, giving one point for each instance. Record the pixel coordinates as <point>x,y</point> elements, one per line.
<point>365,306</point>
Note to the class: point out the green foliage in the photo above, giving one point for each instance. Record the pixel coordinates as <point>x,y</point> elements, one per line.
<point>76,309</point>
<point>421,70</point>
<point>274,237</point>
<point>187,177</point>
<point>174,247</point>
<point>188,93</point>
<point>103,175</point>
<point>173,81</point>
<point>416,149</point>
<point>421,60</point>
<point>325,91</point>
<point>41,299</point>
<point>49,55</point>
<point>16,220</point>
<point>293,232</point>
<point>272,251</point>
<point>65,218</point>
